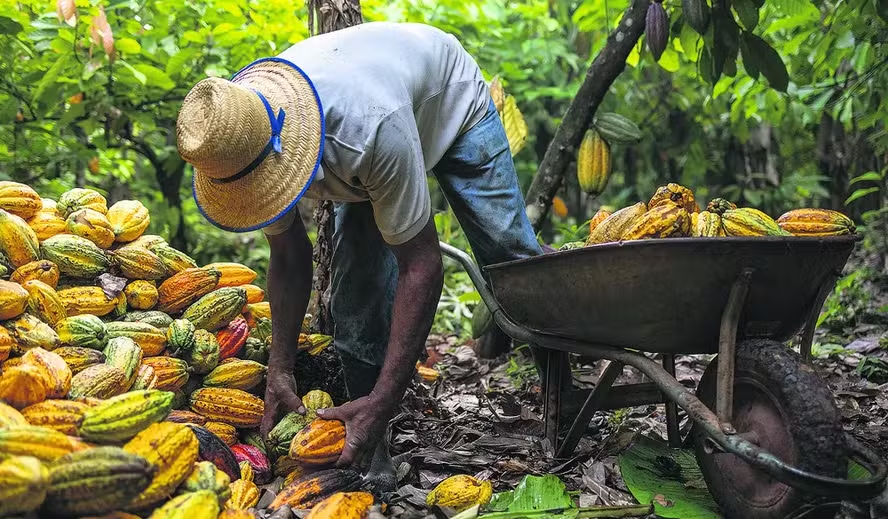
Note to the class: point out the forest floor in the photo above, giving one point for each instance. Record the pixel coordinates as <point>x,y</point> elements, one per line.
<point>483,417</point>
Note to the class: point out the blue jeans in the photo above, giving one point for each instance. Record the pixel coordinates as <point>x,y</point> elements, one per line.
<point>478,179</point>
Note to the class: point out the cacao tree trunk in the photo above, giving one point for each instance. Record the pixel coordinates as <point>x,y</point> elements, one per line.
<point>327,16</point>
<point>605,68</point>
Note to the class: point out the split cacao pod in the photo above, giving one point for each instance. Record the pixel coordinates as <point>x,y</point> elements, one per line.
<point>17,240</point>
<point>59,415</point>
<point>24,481</point>
<point>128,219</point>
<point>460,492</point>
<point>306,492</point>
<point>593,163</point>
<point>343,505</point>
<point>76,257</point>
<point>318,443</point>
<point>614,226</point>
<point>231,406</point>
<point>92,225</point>
<point>816,222</point>
<point>19,199</point>
<point>120,418</point>
<point>41,270</point>
<point>96,481</point>
<point>182,289</point>
<point>747,221</point>
<point>172,448</point>
<point>80,198</point>
<point>141,294</point>
<point>662,221</point>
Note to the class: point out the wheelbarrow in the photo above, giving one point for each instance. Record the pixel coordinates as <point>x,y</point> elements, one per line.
<point>766,431</point>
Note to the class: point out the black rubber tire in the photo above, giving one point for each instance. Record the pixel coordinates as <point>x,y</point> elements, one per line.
<point>767,371</point>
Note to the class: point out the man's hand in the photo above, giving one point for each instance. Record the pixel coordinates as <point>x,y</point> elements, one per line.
<point>280,398</point>
<point>365,422</point>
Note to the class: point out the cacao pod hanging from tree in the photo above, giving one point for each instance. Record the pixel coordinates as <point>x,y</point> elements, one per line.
<point>593,163</point>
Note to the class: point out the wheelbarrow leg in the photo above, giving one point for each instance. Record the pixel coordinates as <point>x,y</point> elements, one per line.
<point>807,337</point>
<point>672,432</point>
<point>727,340</point>
<point>556,361</point>
<point>593,403</point>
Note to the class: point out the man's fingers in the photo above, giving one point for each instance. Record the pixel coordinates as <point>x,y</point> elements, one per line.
<point>268,418</point>
<point>293,402</point>
<point>331,414</point>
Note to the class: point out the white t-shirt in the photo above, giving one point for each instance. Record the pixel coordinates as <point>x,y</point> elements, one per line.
<point>395,97</point>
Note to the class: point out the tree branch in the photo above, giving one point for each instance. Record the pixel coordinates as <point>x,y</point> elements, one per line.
<point>605,68</point>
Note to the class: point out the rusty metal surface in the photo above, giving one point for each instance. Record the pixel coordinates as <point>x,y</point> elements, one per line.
<point>727,340</point>
<point>667,295</point>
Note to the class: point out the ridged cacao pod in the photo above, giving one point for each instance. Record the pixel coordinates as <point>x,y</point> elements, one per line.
<point>254,294</point>
<point>816,222</point>
<point>83,331</point>
<point>246,471</point>
<point>257,350</point>
<point>244,495</point>
<point>30,332</point>
<point>216,309</point>
<point>76,257</point>
<point>24,481</point>
<point>80,198</point>
<point>41,270</point>
<point>43,443</point>
<point>254,438</point>
<point>181,290</point>
<point>696,13</point>
<point>7,343</point>
<point>138,263</point>
<point>141,294</point>
<point>593,163</point>
<point>202,504</point>
<point>236,374</point>
<point>145,378</point>
<point>170,447</point>
<point>232,338</point>
<point>19,199</point>
<point>183,416</point>
<point>17,240</point>
<point>120,418</point>
<point>320,443</point>
<point>614,226</point>
<point>231,406</point>
<point>599,217</point>
<point>460,492</point>
<point>656,29</point>
<point>747,221</point>
<point>233,274</point>
<point>92,225</point>
<point>57,374</point>
<point>663,221</point>
<point>46,225</point>
<point>719,206</point>
<point>96,481</point>
<point>99,381</point>
<point>236,514</point>
<point>204,356</point>
<point>59,415</point>
<point>150,339</point>
<point>174,260</point>
<point>23,385</point>
<point>214,450</point>
<point>258,462</point>
<point>180,336</point>
<point>10,416</point>
<point>706,225</point>
<point>88,300</point>
<point>146,241</point>
<point>78,359</point>
<point>676,194</point>
<point>613,127</point>
<point>205,476</point>
<point>44,302</point>
<point>128,219</point>
<point>171,373</point>
<point>343,505</point>
<point>155,318</point>
<point>308,491</point>
<point>13,300</point>
<point>225,432</point>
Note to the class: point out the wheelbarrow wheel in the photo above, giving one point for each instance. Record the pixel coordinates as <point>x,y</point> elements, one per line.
<point>781,405</point>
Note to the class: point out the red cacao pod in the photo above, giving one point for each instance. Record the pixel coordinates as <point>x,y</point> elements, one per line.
<point>256,459</point>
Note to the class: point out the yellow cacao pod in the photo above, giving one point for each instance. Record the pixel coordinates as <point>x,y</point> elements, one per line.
<point>816,222</point>
<point>23,385</point>
<point>81,198</point>
<point>662,221</point>
<point>613,227</point>
<point>244,494</point>
<point>460,492</point>
<point>87,300</point>
<point>19,199</point>
<point>44,302</point>
<point>677,194</point>
<point>17,240</point>
<point>129,219</point>
<point>24,481</point>
<point>233,274</point>
<point>13,300</point>
<point>599,217</point>
<point>141,294</point>
<point>60,415</point>
<point>706,225</point>
<point>593,163</point>
<point>41,270</point>
<point>47,224</point>
<point>10,416</point>
<point>92,225</point>
<point>747,221</point>
<point>56,371</point>
<point>173,449</point>
<point>343,505</point>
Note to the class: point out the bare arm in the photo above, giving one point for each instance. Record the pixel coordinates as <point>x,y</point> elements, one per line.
<point>289,288</point>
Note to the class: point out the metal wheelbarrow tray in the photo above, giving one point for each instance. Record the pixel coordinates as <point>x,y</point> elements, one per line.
<point>685,296</point>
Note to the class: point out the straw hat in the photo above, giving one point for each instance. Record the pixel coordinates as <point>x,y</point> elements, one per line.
<point>255,142</point>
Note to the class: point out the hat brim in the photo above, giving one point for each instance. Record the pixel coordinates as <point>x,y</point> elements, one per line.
<point>267,193</point>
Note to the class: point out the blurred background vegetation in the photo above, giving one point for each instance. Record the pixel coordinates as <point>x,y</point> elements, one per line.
<point>89,92</point>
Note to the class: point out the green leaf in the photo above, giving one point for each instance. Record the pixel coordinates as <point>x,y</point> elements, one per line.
<point>9,26</point>
<point>669,60</point>
<point>535,493</point>
<point>140,77</point>
<point>8,109</point>
<point>155,77</point>
<point>869,176</point>
<point>765,59</point>
<point>747,12</point>
<point>50,77</point>
<point>653,472</point>
<point>128,46</point>
<point>73,112</point>
<point>748,64</point>
<point>860,193</point>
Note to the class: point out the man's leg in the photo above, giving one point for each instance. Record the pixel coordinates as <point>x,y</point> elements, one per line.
<point>365,275</point>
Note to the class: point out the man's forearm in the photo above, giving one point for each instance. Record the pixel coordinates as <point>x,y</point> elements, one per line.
<point>289,288</point>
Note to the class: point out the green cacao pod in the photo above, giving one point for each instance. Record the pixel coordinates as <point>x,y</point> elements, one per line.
<point>216,309</point>
<point>138,263</point>
<point>76,257</point>
<point>256,350</point>
<point>747,221</point>
<point>205,354</point>
<point>24,481</point>
<point>206,476</point>
<point>696,13</point>
<point>282,434</point>
<point>124,353</point>
<point>81,198</point>
<point>203,504</point>
<point>173,260</point>
<point>180,336</point>
<point>719,206</point>
<point>614,127</point>
<point>155,318</point>
<point>120,418</point>
<point>593,163</point>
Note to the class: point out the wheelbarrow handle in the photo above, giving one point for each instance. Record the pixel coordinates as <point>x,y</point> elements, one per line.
<point>474,274</point>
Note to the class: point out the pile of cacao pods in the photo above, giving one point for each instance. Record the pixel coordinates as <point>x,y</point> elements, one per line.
<point>674,212</point>
<point>131,378</point>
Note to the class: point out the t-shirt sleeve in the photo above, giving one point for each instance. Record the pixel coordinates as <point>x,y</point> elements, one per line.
<point>396,180</point>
